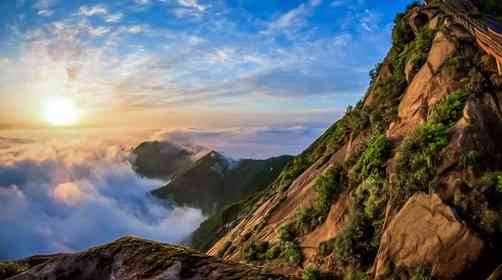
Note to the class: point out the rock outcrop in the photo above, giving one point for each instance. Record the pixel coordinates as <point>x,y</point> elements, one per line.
<point>134,258</point>
<point>427,232</point>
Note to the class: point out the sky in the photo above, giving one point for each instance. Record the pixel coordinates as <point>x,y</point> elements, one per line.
<point>247,78</point>
<point>189,63</point>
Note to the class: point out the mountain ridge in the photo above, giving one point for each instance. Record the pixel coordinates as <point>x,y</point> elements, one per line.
<point>425,134</point>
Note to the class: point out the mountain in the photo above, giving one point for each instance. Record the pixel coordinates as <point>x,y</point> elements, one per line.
<point>214,181</point>
<point>408,184</point>
<point>130,258</point>
<point>160,159</point>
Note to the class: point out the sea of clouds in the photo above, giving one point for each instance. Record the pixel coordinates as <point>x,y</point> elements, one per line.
<point>67,190</point>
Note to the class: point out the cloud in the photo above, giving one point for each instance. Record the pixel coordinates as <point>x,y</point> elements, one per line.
<point>245,142</point>
<point>194,4</point>
<point>43,7</point>
<point>69,191</point>
<point>90,11</point>
<point>45,13</point>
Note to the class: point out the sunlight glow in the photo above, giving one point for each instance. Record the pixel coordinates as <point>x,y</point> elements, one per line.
<point>60,111</point>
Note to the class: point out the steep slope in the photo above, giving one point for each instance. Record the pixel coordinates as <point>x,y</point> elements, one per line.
<point>407,184</point>
<point>130,258</point>
<point>214,181</point>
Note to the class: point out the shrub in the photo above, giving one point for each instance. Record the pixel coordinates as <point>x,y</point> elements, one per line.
<point>249,252</point>
<point>372,161</point>
<point>469,158</point>
<point>422,274</point>
<point>253,251</point>
<point>273,252</point>
<point>373,192</point>
<point>414,52</point>
<point>493,180</point>
<point>418,157</point>
<point>326,187</point>
<point>286,233</point>
<point>307,218</point>
<point>402,33</point>
<point>449,110</point>
<point>355,275</point>
<point>353,245</point>
<point>292,252</point>
<point>311,273</point>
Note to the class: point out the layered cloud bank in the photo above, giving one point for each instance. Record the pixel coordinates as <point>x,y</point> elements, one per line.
<point>248,142</point>
<point>70,191</point>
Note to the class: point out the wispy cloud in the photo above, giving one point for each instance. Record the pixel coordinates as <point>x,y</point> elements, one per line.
<point>194,4</point>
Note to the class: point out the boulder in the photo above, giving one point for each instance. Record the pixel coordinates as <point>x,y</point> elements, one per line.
<point>426,232</point>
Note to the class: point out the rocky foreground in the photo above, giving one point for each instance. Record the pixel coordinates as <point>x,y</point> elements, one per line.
<point>130,258</point>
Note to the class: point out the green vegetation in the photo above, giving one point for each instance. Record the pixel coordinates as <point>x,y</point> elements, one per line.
<point>273,252</point>
<point>356,275</point>
<point>373,194</point>
<point>311,273</point>
<point>493,180</point>
<point>414,52</point>
<point>469,158</point>
<point>372,161</point>
<point>422,274</point>
<point>292,252</point>
<point>286,233</point>
<point>354,244</point>
<point>9,269</point>
<point>418,159</point>
<point>254,251</point>
<point>326,187</point>
<point>449,110</point>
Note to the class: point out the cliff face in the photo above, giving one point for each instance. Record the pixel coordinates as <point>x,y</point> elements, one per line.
<point>130,258</point>
<point>407,184</point>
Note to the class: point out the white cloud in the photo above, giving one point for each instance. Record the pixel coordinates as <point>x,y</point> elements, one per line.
<point>45,13</point>
<point>114,17</point>
<point>142,2</point>
<point>89,11</point>
<point>194,4</point>
<point>43,4</point>
<point>42,7</point>
<point>98,31</point>
<point>295,18</point>
<point>47,194</point>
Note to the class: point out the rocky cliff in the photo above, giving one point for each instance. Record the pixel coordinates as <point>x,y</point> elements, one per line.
<point>407,185</point>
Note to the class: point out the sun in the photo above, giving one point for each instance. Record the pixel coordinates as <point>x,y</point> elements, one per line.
<point>61,111</point>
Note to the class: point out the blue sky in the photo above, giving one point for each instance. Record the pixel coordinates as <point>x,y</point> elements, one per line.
<point>191,63</point>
